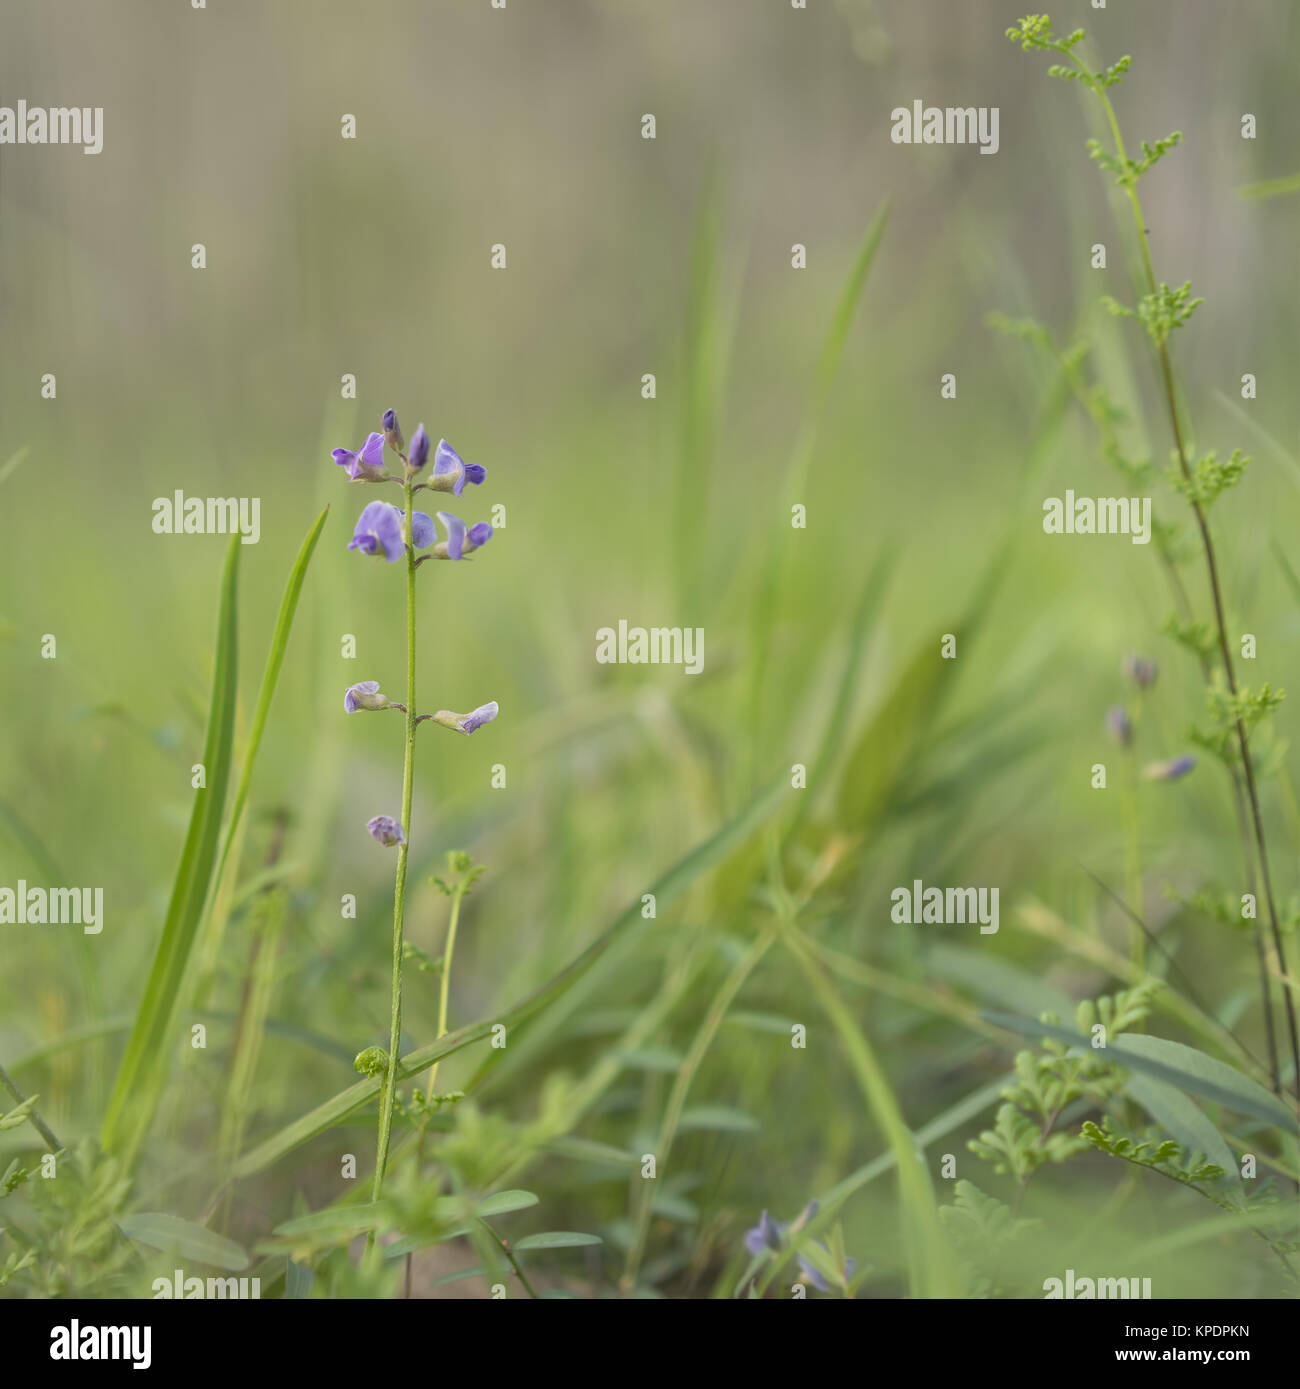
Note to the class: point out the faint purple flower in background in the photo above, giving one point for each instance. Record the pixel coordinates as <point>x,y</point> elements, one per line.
<point>379,530</point>
<point>1171,770</point>
<point>386,830</point>
<point>368,461</point>
<point>771,1236</point>
<point>1141,671</point>
<point>1121,729</point>
<point>460,542</point>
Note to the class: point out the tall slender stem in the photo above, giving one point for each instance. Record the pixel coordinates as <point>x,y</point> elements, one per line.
<point>1216,593</point>
<point>399,886</point>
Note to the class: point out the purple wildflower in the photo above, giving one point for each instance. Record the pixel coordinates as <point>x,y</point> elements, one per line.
<point>393,431</point>
<point>386,830</point>
<point>1140,671</point>
<point>451,472</point>
<point>1117,720</point>
<point>364,695</point>
<point>423,531</point>
<point>1171,770</point>
<point>460,542</point>
<point>771,1236</point>
<point>367,463</point>
<point>379,530</point>
<point>419,455</point>
<point>467,723</point>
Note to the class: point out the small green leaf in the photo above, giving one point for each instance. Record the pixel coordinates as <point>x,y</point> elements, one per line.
<point>718,1117</point>
<point>556,1239</point>
<point>173,1235</point>
<point>298,1279</point>
<point>503,1202</point>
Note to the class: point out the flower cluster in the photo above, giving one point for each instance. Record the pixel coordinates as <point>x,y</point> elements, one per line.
<point>384,530</point>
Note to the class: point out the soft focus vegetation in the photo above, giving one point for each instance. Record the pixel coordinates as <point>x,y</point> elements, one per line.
<point>822,648</point>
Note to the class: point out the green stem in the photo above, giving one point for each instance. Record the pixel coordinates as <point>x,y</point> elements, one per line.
<point>445,988</point>
<point>726,995</point>
<point>399,888</point>
<point>1165,363</point>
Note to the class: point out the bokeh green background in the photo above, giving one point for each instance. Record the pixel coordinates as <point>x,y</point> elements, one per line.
<point>370,256</point>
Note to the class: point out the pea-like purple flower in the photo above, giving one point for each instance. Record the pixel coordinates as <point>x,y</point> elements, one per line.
<point>386,830</point>
<point>1171,770</point>
<point>771,1236</point>
<point>451,472</point>
<point>367,464</point>
<point>467,723</point>
<point>379,532</point>
<point>1119,724</point>
<point>1141,671</point>
<point>381,529</point>
<point>461,541</point>
<point>365,695</point>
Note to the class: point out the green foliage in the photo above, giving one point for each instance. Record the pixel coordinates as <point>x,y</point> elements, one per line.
<point>984,1235</point>
<point>1210,479</point>
<point>1164,1156</point>
<point>1023,1137</point>
<point>1161,312</point>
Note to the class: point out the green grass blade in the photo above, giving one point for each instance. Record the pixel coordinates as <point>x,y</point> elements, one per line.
<point>274,660</point>
<point>932,1271</point>
<point>671,885</point>
<point>143,1071</point>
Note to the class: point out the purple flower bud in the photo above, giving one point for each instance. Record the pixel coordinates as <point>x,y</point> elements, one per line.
<point>1117,720</point>
<point>364,695</point>
<point>379,531</point>
<point>419,454</point>
<point>393,431</point>
<point>479,534</point>
<point>1140,671</point>
<point>367,463</point>
<point>1171,770</point>
<point>386,830</point>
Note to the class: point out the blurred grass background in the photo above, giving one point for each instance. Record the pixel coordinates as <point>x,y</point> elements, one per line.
<point>371,257</point>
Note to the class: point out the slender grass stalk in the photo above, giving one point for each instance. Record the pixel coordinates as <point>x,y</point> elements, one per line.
<point>399,887</point>
<point>445,989</point>
<point>686,1072</point>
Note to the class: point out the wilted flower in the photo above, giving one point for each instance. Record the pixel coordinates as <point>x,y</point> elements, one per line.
<point>368,461</point>
<point>771,1236</point>
<point>460,542</point>
<point>1170,770</point>
<point>379,531</point>
<point>386,830</point>
<point>467,723</point>
<point>1140,671</point>
<point>419,454</point>
<point>365,695</point>
<point>451,472</point>
<point>1117,720</point>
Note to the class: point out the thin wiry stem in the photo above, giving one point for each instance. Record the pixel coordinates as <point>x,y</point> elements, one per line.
<point>389,1094</point>
<point>1128,181</point>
